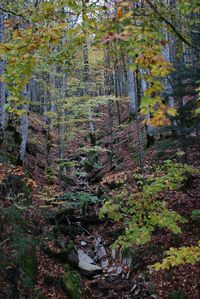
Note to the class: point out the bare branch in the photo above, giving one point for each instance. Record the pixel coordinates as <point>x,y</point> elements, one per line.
<point>180,36</point>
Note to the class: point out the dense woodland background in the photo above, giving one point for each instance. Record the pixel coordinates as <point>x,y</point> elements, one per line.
<point>99,149</point>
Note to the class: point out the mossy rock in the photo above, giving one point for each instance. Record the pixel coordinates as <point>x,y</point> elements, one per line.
<point>67,254</point>
<point>91,162</point>
<point>72,284</point>
<point>29,266</point>
<point>88,165</point>
<point>14,159</point>
<point>15,186</point>
<point>176,294</point>
<point>32,148</point>
<point>3,158</point>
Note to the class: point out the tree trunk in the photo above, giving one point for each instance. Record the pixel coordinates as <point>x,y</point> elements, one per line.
<point>2,84</point>
<point>62,127</point>
<point>24,124</point>
<point>111,149</point>
<point>86,78</point>
<point>149,128</point>
<point>139,136</point>
<point>131,89</point>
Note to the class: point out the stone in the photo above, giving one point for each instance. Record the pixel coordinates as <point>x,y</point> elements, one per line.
<point>83,243</point>
<point>113,254</point>
<point>87,265</point>
<point>100,252</point>
<point>104,263</point>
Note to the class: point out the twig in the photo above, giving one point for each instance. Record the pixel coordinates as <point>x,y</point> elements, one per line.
<point>84,229</point>
<point>68,220</point>
<point>13,13</point>
<point>4,242</point>
<point>180,36</point>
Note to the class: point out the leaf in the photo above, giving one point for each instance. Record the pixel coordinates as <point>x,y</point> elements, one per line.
<point>172,111</point>
<point>120,13</point>
<point>6,106</point>
<point>197,111</point>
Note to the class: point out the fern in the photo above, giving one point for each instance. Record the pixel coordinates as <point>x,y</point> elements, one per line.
<point>79,199</point>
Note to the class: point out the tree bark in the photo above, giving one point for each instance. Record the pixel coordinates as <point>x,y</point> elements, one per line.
<point>131,89</point>
<point>24,124</point>
<point>2,84</point>
<point>62,127</point>
<point>86,77</point>
<point>149,129</point>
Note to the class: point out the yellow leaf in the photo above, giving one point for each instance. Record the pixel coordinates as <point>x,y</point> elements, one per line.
<point>172,111</point>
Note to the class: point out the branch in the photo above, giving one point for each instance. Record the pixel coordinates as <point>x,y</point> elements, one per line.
<point>180,36</point>
<point>4,242</point>
<point>13,13</point>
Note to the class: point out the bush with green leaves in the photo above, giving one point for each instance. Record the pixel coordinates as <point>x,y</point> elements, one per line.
<point>142,211</point>
<point>195,214</point>
<point>179,256</point>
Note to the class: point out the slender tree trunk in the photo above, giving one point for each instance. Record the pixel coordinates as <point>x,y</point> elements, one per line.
<point>149,128</point>
<point>131,89</point>
<point>86,77</point>
<point>50,120</point>
<point>168,84</point>
<point>111,149</point>
<point>24,124</point>
<point>139,135</point>
<point>45,97</point>
<point>53,96</point>
<point>2,85</point>
<point>62,127</point>
<point>117,91</point>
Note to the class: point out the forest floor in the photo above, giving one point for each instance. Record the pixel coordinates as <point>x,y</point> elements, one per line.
<point>122,275</point>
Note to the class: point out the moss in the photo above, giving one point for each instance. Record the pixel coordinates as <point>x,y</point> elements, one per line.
<point>72,284</point>
<point>12,157</point>
<point>90,163</point>
<point>29,266</point>
<point>15,186</point>
<point>69,247</point>
<point>37,294</point>
<point>67,254</point>
<point>50,175</point>
<point>176,294</point>
<point>3,158</point>
<point>32,149</point>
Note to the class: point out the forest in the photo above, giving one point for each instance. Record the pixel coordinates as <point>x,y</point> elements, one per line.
<point>99,149</point>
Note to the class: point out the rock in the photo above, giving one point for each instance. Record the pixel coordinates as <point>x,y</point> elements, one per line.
<point>126,257</point>
<point>101,254</point>
<point>67,254</point>
<point>104,264</point>
<point>72,284</point>
<point>119,270</point>
<point>73,258</point>
<point>87,265</point>
<point>113,254</point>
<point>61,242</point>
<point>83,243</point>
<point>128,274</point>
<point>112,269</point>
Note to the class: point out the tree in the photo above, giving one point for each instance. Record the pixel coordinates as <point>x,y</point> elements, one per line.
<point>2,84</point>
